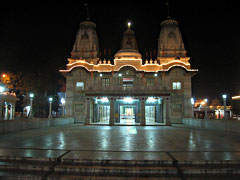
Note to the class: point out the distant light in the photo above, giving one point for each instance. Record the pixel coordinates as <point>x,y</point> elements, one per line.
<point>235,97</point>
<point>128,100</point>
<point>206,100</point>
<point>50,99</point>
<point>192,101</point>
<point>155,74</point>
<point>224,96</point>
<point>202,103</point>
<point>100,75</point>
<point>63,100</point>
<point>1,89</point>
<point>31,95</point>
<point>4,75</point>
<point>151,99</point>
<point>104,99</point>
<point>129,24</point>
<point>120,75</point>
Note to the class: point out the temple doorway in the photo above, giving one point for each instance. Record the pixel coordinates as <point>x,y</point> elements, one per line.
<point>127,114</point>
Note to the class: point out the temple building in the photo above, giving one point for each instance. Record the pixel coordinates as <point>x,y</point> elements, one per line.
<point>129,90</point>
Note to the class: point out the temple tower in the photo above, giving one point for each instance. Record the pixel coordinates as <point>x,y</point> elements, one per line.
<point>170,43</point>
<point>86,45</point>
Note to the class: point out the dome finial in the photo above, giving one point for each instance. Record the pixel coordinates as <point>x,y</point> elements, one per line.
<point>168,9</point>
<point>129,25</point>
<point>86,5</point>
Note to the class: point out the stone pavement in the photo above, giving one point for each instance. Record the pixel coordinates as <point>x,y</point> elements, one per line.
<point>120,152</point>
<point>122,142</point>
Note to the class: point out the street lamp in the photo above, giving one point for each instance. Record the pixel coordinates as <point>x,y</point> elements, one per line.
<point>206,108</point>
<point>50,107</point>
<point>192,102</point>
<point>31,95</point>
<point>63,104</point>
<point>224,96</point>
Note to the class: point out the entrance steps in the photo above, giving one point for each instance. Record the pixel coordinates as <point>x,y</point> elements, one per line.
<point>27,168</point>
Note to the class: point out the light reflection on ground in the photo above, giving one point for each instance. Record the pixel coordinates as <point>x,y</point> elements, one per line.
<point>123,138</point>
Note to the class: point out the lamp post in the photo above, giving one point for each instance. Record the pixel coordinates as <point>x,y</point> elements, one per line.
<point>31,95</point>
<point>224,96</point>
<point>192,102</point>
<point>206,108</point>
<point>1,91</point>
<point>63,106</point>
<point>50,107</point>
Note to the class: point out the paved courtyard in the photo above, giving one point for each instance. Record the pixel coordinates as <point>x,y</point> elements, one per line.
<point>122,142</point>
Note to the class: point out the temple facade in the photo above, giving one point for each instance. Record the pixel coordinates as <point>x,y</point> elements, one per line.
<point>129,90</point>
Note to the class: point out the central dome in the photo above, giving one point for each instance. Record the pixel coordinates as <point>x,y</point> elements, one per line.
<point>129,47</point>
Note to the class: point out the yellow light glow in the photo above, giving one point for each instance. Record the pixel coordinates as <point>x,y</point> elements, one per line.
<point>136,64</point>
<point>129,25</point>
<point>236,97</point>
<point>4,75</point>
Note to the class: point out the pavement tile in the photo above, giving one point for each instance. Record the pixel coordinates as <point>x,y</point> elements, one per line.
<point>31,153</point>
<point>116,155</point>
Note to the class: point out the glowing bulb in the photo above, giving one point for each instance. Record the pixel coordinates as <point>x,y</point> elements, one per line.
<point>151,99</point>
<point>224,96</point>
<point>128,100</point>
<point>192,101</point>
<point>129,24</point>
<point>1,89</point>
<point>63,101</point>
<point>104,99</point>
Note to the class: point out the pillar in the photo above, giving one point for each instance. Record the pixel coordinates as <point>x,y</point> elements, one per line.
<point>143,119</point>
<point>6,112</point>
<point>167,110</point>
<point>88,111</point>
<point>13,111</point>
<point>112,111</point>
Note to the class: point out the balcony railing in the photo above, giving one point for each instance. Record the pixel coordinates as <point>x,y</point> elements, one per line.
<point>124,88</point>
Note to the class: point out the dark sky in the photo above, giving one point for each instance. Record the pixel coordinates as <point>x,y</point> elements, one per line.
<point>39,37</point>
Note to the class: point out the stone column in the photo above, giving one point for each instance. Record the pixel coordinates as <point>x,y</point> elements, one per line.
<point>143,119</point>
<point>88,111</point>
<point>13,111</point>
<point>167,110</point>
<point>112,111</point>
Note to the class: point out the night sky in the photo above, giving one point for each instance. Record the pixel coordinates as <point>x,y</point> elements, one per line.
<point>39,37</point>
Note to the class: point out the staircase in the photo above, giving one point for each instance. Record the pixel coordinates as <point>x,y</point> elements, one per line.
<point>59,168</point>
